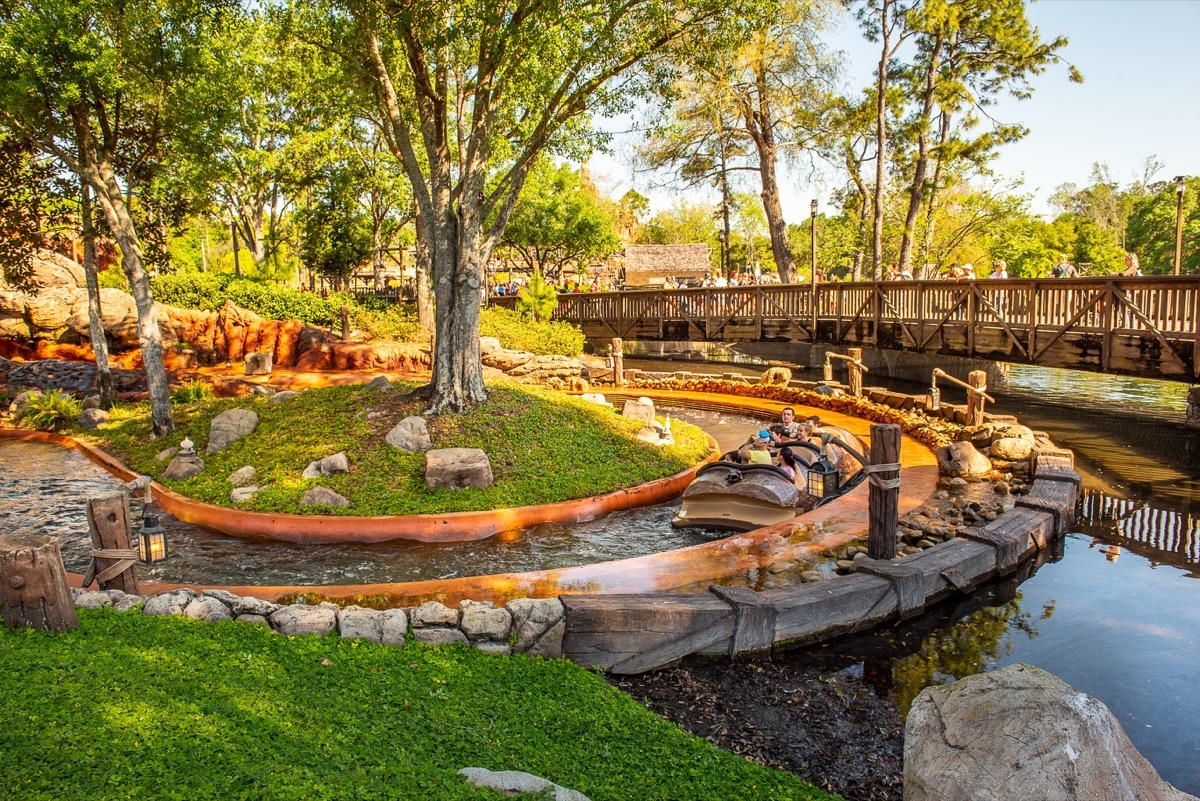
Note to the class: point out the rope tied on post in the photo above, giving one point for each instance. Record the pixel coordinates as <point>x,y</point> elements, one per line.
<point>980,391</point>
<point>127,558</point>
<point>873,471</point>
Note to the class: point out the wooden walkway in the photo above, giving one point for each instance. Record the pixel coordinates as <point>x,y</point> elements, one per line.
<point>1148,327</point>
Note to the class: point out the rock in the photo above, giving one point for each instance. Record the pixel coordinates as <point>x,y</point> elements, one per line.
<point>258,364</point>
<point>263,390</point>
<point>242,476</point>
<point>313,470</point>
<point>280,397</point>
<point>355,622</point>
<point>956,482</point>
<point>224,596</point>
<point>1020,732</point>
<point>249,605</point>
<point>410,434</point>
<point>93,600</point>
<point>182,467</point>
<point>432,613</point>
<point>379,382</point>
<point>654,436</point>
<point>507,360</point>
<point>515,782</point>
<point>208,609</point>
<point>439,637</point>
<point>244,494</point>
<point>539,624</point>
<point>483,621</point>
<point>91,402</point>
<point>337,463</point>
<point>639,410</point>
<point>1012,449</point>
<point>168,453</point>
<point>962,459</point>
<point>168,603</point>
<point>457,468</point>
<point>395,627</point>
<point>489,345</point>
<point>91,419</point>
<point>776,377</point>
<point>1001,487</point>
<point>596,398</point>
<point>305,619</point>
<point>845,564</point>
<point>126,603</point>
<point>809,576</point>
<point>321,496</point>
<point>491,647</point>
<point>20,403</point>
<point>925,543</point>
<point>230,426</point>
<point>254,620</point>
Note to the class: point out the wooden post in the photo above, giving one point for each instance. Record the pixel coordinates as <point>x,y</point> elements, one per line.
<point>977,379</point>
<point>345,323</point>
<point>883,504</point>
<point>33,584</point>
<point>618,363</point>
<point>855,378</point>
<point>109,521</point>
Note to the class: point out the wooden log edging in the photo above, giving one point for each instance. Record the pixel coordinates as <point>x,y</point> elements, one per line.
<point>636,633</point>
<point>318,529</point>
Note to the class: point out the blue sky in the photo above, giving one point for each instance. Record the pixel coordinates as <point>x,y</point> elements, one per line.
<point>1140,97</point>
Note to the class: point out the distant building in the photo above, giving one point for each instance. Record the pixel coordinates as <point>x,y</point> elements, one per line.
<point>656,265</point>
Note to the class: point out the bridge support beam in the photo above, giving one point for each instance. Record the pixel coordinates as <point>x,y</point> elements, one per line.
<point>1193,408</point>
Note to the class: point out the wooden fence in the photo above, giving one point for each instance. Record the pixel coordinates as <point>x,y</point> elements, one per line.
<point>1135,326</point>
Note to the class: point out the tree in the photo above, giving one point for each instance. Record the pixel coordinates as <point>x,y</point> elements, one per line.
<point>539,299</point>
<point>337,237</point>
<point>557,221</point>
<point>682,224</point>
<point>114,91</point>
<point>471,94</point>
<point>631,210</point>
<point>1151,230</point>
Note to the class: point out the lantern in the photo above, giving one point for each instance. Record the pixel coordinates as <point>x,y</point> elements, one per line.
<point>187,447</point>
<point>152,542</point>
<point>828,368</point>
<point>933,399</point>
<point>822,478</point>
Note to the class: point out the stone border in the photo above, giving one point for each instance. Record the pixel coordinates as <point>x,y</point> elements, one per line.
<point>526,625</point>
<point>317,529</point>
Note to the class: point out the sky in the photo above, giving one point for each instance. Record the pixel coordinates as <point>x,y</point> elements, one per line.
<point>1140,62</point>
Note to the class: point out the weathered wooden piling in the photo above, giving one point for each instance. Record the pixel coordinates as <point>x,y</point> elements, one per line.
<point>883,496</point>
<point>33,584</point>
<point>113,551</point>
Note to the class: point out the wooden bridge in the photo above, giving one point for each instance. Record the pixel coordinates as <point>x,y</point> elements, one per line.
<point>1147,327</point>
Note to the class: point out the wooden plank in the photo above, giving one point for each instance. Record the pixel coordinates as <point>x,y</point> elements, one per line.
<point>958,580</point>
<point>109,521</point>
<point>606,631</point>
<point>822,609</point>
<point>754,619</point>
<point>1010,535</point>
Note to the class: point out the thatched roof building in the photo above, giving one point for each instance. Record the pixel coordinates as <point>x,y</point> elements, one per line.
<point>647,265</point>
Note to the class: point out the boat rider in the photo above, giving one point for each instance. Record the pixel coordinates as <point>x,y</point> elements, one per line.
<point>788,427</point>
<point>757,450</point>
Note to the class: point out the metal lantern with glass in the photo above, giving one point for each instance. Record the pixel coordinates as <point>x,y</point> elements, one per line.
<point>152,542</point>
<point>822,475</point>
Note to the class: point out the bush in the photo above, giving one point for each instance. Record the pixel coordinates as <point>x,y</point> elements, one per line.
<point>193,392</point>
<point>518,332</point>
<point>209,291</point>
<point>51,411</point>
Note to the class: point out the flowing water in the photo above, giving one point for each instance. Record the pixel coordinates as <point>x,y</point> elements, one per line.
<point>1117,616</point>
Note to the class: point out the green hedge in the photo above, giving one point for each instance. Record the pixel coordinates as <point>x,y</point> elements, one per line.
<point>518,332</point>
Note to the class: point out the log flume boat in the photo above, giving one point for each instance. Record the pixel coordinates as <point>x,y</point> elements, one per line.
<point>729,495</point>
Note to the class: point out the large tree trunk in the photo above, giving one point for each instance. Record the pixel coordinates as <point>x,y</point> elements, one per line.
<point>108,192</point>
<point>104,381</point>
<point>881,144</point>
<point>758,123</point>
<point>916,192</point>
<point>457,380</point>
<point>423,271</point>
<point>931,208</point>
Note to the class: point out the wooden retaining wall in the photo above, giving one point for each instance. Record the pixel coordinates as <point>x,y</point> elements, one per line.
<point>636,633</point>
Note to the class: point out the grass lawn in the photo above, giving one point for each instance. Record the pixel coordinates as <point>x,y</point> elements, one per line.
<point>128,706</point>
<point>544,447</point>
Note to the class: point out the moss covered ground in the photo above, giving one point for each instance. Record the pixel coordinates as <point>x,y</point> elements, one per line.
<point>135,707</point>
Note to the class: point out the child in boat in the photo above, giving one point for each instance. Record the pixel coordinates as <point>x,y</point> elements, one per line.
<point>758,451</point>
<point>788,462</point>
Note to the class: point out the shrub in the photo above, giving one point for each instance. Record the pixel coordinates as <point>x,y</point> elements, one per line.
<point>192,290</point>
<point>193,392</point>
<point>51,411</point>
<point>518,332</point>
<point>538,300</point>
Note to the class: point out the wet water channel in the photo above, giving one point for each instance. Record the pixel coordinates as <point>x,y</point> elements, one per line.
<point>1116,613</point>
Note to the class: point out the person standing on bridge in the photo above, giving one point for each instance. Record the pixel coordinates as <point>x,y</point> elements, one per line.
<point>999,270</point>
<point>1133,267</point>
<point>1064,268</point>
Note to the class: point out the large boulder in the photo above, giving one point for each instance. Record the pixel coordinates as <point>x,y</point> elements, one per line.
<point>91,419</point>
<point>962,459</point>
<point>457,468</point>
<point>323,496</point>
<point>182,467</point>
<point>305,619</point>
<point>539,625</point>
<point>410,434</point>
<point>258,364</point>
<point>230,426</point>
<point>776,377</point>
<point>641,409</point>
<point>1022,733</point>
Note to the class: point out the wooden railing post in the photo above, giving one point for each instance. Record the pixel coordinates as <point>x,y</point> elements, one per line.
<point>345,323</point>
<point>977,379</point>
<point>618,362</point>
<point>883,500</point>
<point>112,542</point>
<point>855,379</point>
<point>33,584</point>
